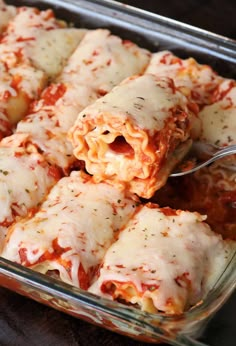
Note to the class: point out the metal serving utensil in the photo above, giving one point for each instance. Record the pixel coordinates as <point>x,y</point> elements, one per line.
<point>202,154</point>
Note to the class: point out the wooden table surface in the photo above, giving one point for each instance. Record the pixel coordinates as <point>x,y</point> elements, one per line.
<point>25,322</point>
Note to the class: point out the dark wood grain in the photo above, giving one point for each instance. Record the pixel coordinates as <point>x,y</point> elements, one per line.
<point>24,322</point>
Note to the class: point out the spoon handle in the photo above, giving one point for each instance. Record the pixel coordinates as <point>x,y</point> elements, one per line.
<point>230,150</point>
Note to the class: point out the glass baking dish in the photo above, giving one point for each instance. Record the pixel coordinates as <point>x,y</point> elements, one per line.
<point>155,33</point>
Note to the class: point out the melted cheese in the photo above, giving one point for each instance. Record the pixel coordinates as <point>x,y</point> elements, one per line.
<point>163,260</point>
<point>195,81</point>
<point>6,14</point>
<point>36,38</point>
<point>22,32</point>
<point>128,134</point>
<point>18,86</point>
<point>81,216</point>
<point>24,182</point>
<point>103,60</point>
<point>140,100</point>
<point>50,51</point>
<point>47,126</point>
<point>219,119</point>
<point>20,81</point>
<point>34,48</point>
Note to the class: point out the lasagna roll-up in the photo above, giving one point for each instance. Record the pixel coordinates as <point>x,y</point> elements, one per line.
<point>219,128</point>
<point>219,119</point>
<point>196,81</point>
<point>18,87</point>
<point>20,82</point>
<point>47,126</point>
<point>104,60</point>
<point>164,260</point>
<point>72,230</point>
<point>213,188</point>
<point>134,135</point>
<point>25,180</point>
<point>23,31</point>
<point>37,38</point>
<point>33,49</point>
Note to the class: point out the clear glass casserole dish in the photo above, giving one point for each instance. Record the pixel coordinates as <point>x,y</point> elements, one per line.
<point>155,33</point>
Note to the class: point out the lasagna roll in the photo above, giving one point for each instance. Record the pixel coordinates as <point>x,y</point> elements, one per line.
<point>219,128</point>
<point>104,60</point>
<point>71,232</point>
<point>18,87</point>
<point>33,49</point>
<point>164,260</point>
<point>134,135</point>
<point>20,82</point>
<point>211,190</point>
<point>219,119</point>
<point>22,32</point>
<point>45,129</point>
<point>25,180</point>
<point>196,81</point>
<point>47,126</point>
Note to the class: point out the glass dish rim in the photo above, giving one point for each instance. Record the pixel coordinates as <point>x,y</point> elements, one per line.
<point>28,275</point>
<point>219,43</point>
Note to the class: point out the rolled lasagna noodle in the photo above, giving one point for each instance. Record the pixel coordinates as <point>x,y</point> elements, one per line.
<point>134,135</point>
<point>72,230</point>
<point>33,49</point>
<point>25,180</point>
<point>55,113</point>
<point>18,87</point>
<point>211,190</point>
<point>219,119</point>
<point>22,32</point>
<point>45,129</point>
<point>6,14</point>
<point>214,188</point>
<point>104,60</point>
<point>51,50</point>
<point>164,260</point>
<point>18,71</point>
<point>196,81</point>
